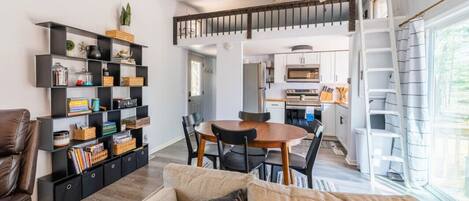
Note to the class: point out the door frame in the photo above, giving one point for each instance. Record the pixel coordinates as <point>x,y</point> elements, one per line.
<point>190,57</point>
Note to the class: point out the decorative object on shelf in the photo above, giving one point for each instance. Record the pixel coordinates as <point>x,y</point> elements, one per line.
<point>120,103</point>
<point>342,94</point>
<point>84,78</point>
<point>84,133</point>
<point>121,35</point>
<point>134,123</point>
<point>124,56</point>
<point>132,81</point>
<point>95,104</point>
<point>105,71</point>
<point>82,49</point>
<point>109,128</point>
<point>326,94</point>
<point>78,106</point>
<point>125,18</point>
<point>61,138</point>
<point>93,52</point>
<point>60,75</point>
<point>123,126</point>
<point>69,46</point>
<point>108,81</point>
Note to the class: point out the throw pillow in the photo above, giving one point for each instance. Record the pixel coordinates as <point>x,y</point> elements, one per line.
<point>238,195</point>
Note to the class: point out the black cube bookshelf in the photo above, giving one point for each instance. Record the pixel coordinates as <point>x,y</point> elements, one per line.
<point>63,183</point>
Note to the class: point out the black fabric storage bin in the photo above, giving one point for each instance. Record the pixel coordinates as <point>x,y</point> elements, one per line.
<point>142,157</point>
<point>69,190</point>
<point>112,171</point>
<point>92,181</point>
<point>129,163</point>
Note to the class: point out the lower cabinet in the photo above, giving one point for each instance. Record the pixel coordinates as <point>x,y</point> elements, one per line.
<point>69,190</point>
<point>342,125</point>
<point>92,181</point>
<point>328,119</point>
<point>129,163</point>
<point>112,171</point>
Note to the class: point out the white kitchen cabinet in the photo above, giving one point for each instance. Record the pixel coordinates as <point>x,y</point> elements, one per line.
<point>277,111</point>
<point>327,70</point>
<point>295,59</point>
<point>311,58</point>
<point>328,119</point>
<point>341,67</point>
<point>341,126</point>
<point>279,68</point>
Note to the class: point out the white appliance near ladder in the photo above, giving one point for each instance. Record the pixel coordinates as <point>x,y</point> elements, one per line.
<point>377,70</point>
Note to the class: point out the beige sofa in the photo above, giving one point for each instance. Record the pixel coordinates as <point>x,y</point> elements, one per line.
<point>187,183</point>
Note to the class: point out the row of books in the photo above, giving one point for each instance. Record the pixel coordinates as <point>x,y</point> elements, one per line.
<point>121,138</point>
<point>82,155</point>
<point>78,106</point>
<point>109,128</point>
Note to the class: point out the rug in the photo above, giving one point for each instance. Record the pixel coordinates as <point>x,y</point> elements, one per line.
<point>301,181</point>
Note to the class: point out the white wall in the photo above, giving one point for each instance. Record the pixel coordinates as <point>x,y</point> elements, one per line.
<point>229,80</point>
<point>21,40</point>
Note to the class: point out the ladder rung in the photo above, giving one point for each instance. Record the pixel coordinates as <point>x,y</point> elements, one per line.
<point>382,91</point>
<point>389,158</point>
<point>370,31</point>
<point>384,133</point>
<point>378,50</point>
<point>374,112</point>
<point>380,70</point>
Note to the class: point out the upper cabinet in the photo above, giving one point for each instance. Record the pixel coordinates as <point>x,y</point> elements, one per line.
<point>334,67</point>
<point>302,58</point>
<point>279,70</point>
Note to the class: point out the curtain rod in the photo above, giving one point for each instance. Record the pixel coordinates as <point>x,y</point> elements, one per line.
<point>421,13</point>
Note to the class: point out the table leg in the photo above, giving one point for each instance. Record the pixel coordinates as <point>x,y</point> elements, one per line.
<point>200,152</point>
<point>286,164</point>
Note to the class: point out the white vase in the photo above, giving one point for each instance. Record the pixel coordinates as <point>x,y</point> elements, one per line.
<point>125,28</point>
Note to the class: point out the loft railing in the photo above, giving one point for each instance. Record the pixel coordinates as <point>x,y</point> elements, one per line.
<point>297,14</point>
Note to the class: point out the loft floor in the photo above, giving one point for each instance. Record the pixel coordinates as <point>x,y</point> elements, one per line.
<point>147,180</point>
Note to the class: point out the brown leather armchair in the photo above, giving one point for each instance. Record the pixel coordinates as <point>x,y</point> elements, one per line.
<point>18,155</point>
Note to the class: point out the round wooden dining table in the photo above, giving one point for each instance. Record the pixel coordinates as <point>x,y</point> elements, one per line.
<point>269,135</point>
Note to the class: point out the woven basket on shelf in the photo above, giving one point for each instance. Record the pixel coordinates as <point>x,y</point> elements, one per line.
<point>100,156</point>
<point>124,147</point>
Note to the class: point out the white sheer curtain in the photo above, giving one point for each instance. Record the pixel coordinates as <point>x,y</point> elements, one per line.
<point>414,88</point>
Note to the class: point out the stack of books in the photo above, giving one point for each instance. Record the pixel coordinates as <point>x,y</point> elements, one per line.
<point>109,128</point>
<point>82,155</point>
<point>121,138</point>
<point>77,106</point>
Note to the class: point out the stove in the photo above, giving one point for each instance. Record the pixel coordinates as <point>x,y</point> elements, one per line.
<point>298,100</point>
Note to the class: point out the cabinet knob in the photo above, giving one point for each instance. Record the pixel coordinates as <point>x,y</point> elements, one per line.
<point>143,153</point>
<point>93,175</point>
<point>129,159</point>
<point>69,186</point>
<point>113,166</point>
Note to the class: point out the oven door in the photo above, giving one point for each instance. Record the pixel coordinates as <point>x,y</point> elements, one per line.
<point>304,73</point>
<point>296,115</point>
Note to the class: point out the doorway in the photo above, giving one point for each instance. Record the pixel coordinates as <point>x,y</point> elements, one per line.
<point>195,84</point>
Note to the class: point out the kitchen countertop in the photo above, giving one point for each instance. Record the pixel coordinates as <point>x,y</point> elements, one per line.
<point>345,105</point>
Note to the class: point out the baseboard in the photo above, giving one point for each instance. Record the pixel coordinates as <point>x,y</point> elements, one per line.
<point>168,143</point>
<point>350,162</point>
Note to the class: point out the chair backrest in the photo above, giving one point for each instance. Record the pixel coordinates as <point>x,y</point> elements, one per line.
<point>188,127</point>
<point>239,137</point>
<point>313,150</point>
<point>197,118</point>
<point>258,117</point>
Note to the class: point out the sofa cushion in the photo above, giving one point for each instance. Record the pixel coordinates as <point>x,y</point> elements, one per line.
<point>166,194</point>
<point>14,126</point>
<point>261,190</point>
<point>9,170</point>
<point>238,195</point>
<point>199,184</point>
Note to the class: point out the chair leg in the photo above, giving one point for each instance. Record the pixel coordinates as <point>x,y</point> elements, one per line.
<point>262,172</point>
<point>189,160</point>
<point>214,161</point>
<point>272,173</point>
<point>310,180</point>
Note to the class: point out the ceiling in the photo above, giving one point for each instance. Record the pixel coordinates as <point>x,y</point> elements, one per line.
<point>217,5</point>
<point>283,45</point>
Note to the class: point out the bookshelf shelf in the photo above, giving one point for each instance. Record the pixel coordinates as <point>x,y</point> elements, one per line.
<point>112,168</point>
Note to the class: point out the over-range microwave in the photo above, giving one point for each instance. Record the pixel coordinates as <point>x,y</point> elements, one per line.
<point>302,73</point>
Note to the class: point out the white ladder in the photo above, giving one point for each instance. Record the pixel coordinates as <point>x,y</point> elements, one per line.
<point>370,133</point>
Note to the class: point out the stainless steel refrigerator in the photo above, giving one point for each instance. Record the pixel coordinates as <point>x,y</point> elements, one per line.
<point>254,87</point>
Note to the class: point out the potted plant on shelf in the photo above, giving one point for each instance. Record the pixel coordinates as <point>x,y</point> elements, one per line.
<point>69,46</point>
<point>125,18</point>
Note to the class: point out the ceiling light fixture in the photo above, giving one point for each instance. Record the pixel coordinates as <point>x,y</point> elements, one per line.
<point>302,48</point>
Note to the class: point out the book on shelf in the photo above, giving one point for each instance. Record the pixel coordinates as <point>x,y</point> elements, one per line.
<point>121,138</point>
<point>81,156</point>
<point>79,113</point>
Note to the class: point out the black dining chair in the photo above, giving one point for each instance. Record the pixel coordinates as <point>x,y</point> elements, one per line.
<point>257,117</point>
<point>233,161</point>
<point>211,150</point>
<point>299,163</point>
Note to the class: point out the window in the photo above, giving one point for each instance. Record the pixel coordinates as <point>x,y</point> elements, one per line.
<point>449,162</point>
<point>196,78</point>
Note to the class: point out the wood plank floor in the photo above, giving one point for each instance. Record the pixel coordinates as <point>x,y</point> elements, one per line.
<point>147,180</point>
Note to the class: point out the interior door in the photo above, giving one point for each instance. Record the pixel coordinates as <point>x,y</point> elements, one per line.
<point>195,77</point>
